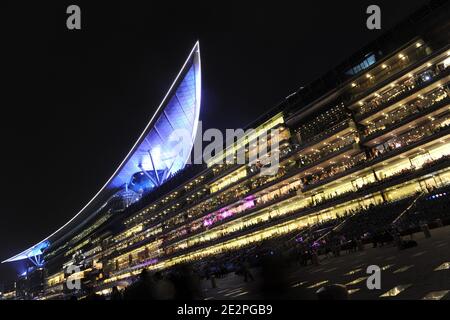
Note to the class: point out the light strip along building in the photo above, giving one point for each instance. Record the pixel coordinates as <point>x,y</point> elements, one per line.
<point>375,129</point>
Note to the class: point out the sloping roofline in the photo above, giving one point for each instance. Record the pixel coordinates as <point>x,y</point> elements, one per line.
<point>195,53</point>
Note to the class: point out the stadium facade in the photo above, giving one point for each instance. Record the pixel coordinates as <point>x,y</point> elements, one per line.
<point>374,130</point>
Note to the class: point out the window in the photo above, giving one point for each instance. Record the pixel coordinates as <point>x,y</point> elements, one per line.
<point>366,63</point>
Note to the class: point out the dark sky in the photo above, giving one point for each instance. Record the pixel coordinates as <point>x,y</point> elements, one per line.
<point>74,102</point>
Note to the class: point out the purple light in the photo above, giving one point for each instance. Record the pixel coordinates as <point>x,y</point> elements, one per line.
<point>225,214</point>
<point>249,204</point>
<point>207,222</point>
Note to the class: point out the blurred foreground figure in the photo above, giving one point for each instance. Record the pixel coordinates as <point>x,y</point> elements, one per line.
<point>186,283</point>
<point>162,289</point>
<point>244,269</point>
<point>141,289</point>
<point>116,294</point>
<point>92,296</point>
<point>275,283</point>
<point>333,292</point>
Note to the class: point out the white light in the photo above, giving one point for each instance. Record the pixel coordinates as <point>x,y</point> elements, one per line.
<point>195,49</point>
<point>447,62</point>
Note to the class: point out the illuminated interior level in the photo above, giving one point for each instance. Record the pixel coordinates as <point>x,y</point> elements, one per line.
<point>392,194</point>
<point>347,184</point>
<point>350,183</point>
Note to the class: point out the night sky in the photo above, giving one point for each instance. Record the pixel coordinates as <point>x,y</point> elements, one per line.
<point>74,102</point>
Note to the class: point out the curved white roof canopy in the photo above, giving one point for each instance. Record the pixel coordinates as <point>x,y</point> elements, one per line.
<point>161,150</point>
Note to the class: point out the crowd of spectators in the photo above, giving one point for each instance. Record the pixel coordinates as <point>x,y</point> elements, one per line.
<point>376,225</point>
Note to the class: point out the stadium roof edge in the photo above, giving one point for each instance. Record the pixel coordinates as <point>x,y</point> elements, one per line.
<point>32,251</point>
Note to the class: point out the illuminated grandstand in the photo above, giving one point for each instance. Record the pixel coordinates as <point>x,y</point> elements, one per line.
<point>370,136</point>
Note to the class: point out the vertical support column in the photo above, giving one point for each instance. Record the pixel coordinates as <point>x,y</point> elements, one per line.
<point>148,176</point>
<point>154,168</point>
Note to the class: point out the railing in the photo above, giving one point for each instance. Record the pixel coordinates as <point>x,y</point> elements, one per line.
<point>324,134</point>
<point>407,112</point>
<point>398,93</point>
<point>317,206</point>
<point>389,72</point>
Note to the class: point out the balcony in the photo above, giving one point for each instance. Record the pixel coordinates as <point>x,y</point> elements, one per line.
<point>409,116</point>
<point>370,188</point>
<point>399,93</point>
<point>412,137</point>
<point>231,218</point>
<point>327,134</point>
<point>362,93</point>
<point>388,69</point>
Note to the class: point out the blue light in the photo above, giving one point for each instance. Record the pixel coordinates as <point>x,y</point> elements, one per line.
<point>153,153</point>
